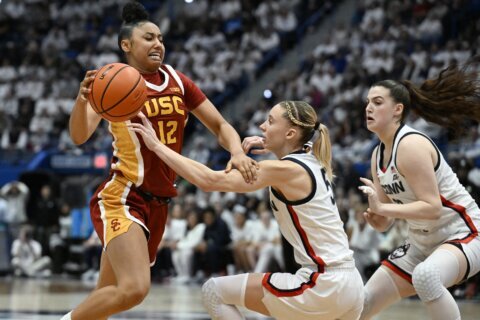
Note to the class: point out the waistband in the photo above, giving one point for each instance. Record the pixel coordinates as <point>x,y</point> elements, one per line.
<point>147,196</point>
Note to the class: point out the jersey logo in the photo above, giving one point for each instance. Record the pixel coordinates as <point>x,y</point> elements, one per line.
<point>395,176</point>
<point>399,252</point>
<point>175,89</point>
<point>393,188</point>
<point>115,225</point>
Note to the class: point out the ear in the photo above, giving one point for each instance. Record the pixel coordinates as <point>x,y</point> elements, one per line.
<point>398,109</point>
<point>126,45</point>
<point>291,133</point>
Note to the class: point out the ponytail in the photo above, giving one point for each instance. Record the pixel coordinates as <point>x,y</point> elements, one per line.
<point>449,100</point>
<point>322,150</point>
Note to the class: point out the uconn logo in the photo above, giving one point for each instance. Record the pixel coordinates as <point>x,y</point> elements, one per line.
<point>393,188</point>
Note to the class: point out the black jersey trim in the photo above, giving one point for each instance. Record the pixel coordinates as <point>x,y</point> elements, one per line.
<point>382,148</point>
<point>439,159</point>
<point>306,199</point>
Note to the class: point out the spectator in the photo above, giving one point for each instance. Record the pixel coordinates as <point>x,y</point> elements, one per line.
<point>16,194</point>
<point>183,250</point>
<point>27,257</point>
<point>210,253</point>
<point>364,241</point>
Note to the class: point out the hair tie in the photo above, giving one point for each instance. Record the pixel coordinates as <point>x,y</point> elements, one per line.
<point>317,125</point>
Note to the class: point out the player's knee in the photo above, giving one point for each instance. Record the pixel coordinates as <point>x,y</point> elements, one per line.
<point>427,281</point>
<point>210,298</point>
<point>133,295</point>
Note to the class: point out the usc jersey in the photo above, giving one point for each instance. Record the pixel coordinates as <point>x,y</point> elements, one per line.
<point>171,96</point>
<point>460,215</point>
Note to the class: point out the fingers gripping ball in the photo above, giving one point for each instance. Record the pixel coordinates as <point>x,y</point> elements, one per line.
<point>118,92</point>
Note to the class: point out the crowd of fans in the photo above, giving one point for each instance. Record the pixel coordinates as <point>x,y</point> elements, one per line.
<point>223,45</point>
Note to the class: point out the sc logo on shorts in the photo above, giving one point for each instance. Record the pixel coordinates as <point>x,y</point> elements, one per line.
<point>399,252</point>
<point>115,225</point>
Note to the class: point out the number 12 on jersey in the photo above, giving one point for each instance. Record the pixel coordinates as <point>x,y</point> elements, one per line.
<point>166,131</point>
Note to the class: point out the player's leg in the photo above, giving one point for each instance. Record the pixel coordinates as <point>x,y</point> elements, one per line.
<point>383,289</point>
<point>445,267</point>
<point>131,287</point>
<point>222,295</point>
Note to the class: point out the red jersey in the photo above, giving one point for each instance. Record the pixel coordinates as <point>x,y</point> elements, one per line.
<point>171,96</point>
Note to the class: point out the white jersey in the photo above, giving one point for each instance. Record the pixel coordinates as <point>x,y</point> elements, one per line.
<point>460,215</point>
<point>312,225</point>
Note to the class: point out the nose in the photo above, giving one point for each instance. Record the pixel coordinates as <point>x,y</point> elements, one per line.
<point>262,126</point>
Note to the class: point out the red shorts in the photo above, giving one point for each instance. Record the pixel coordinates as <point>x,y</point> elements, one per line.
<point>117,204</point>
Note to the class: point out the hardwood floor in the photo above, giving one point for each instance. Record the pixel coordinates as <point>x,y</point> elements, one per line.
<point>49,299</point>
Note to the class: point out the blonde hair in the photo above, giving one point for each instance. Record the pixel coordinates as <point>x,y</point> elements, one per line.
<point>302,115</point>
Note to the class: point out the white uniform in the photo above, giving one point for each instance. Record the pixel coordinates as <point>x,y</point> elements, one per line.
<point>328,286</point>
<point>458,224</point>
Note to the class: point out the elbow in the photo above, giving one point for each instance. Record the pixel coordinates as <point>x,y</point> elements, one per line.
<point>77,140</point>
<point>436,211</point>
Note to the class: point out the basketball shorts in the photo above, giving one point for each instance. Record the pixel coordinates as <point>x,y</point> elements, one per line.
<point>307,295</point>
<point>403,260</point>
<point>117,204</point>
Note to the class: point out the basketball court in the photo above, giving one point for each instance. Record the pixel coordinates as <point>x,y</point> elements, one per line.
<point>49,299</point>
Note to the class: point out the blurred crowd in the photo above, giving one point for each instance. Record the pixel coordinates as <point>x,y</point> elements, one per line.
<point>230,45</point>
<point>221,45</point>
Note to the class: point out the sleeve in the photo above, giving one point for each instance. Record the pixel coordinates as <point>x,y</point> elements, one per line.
<point>193,95</point>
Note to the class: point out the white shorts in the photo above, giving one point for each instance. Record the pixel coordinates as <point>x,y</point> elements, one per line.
<point>403,260</point>
<point>308,295</point>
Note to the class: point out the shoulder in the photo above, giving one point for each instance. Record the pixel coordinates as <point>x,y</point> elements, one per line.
<point>414,142</point>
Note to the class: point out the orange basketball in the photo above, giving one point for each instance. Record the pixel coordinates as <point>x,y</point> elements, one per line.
<point>118,92</point>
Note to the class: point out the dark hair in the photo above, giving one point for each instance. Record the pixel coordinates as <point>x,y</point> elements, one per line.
<point>133,14</point>
<point>449,100</point>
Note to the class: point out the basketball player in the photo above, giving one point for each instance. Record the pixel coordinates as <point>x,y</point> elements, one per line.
<point>412,181</point>
<point>327,286</point>
<point>129,209</point>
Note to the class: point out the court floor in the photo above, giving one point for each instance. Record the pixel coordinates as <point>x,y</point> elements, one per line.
<point>48,299</point>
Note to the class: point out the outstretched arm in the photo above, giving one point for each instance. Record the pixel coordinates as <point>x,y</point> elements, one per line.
<point>83,120</point>
<point>270,173</point>
<point>228,138</point>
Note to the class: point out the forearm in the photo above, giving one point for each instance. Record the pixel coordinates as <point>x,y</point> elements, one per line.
<point>193,171</point>
<point>82,124</point>
<point>229,139</point>
<point>414,210</point>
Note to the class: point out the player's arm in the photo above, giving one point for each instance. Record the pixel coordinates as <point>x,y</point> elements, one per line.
<point>227,137</point>
<point>415,161</point>
<point>378,222</point>
<point>83,119</point>
<point>270,173</point>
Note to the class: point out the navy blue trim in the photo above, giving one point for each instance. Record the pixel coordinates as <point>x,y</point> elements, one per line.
<point>439,159</point>
<point>382,148</point>
<point>310,281</point>
<point>301,201</point>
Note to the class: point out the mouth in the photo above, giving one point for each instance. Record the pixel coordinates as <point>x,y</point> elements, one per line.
<point>155,56</point>
<point>370,119</point>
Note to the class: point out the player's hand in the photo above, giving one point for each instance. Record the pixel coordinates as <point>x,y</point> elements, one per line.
<point>378,222</point>
<point>245,165</point>
<point>370,190</point>
<point>146,130</point>
<point>254,145</point>
<point>85,85</point>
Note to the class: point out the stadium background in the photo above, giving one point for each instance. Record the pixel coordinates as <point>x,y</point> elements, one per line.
<point>245,55</point>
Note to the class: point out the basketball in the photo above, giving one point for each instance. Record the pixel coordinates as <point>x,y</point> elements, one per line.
<point>117,92</point>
